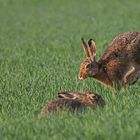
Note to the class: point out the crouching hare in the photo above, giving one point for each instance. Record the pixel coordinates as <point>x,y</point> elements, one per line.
<point>73,101</point>
<point>118,66</point>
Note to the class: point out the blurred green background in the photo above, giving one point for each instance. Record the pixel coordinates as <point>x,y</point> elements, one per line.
<point>40,54</point>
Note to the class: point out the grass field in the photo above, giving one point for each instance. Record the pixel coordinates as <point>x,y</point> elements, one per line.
<point>40,55</point>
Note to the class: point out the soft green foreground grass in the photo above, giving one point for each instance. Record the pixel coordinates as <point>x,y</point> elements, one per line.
<point>40,55</point>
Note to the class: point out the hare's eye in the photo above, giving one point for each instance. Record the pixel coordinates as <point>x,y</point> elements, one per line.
<point>89,66</point>
<point>97,97</point>
<point>94,97</point>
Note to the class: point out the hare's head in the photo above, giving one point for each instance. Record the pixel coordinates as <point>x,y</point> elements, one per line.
<point>88,98</point>
<point>96,99</point>
<point>89,67</point>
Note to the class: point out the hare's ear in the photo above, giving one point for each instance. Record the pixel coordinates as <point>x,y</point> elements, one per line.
<point>85,47</point>
<point>92,96</point>
<point>87,50</point>
<point>67,95</point>
<point>92,47</point>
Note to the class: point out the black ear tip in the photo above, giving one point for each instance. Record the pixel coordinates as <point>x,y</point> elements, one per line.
<point>63,92</point>
<point>82,39</point>
<point>90,40</point>
<point>60,94</point>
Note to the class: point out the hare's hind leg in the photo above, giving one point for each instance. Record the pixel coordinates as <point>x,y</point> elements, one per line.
<point>131,71</point>
<point>133,74</point>
<point>133,77</point>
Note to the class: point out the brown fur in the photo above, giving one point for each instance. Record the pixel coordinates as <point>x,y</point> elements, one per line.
<point>122,54</point>
<point>74,101</point>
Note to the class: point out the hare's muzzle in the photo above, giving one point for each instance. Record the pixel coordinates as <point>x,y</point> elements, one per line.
<point>80,78</point>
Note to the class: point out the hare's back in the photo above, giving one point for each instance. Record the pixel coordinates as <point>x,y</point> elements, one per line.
<point>123,46</point>
<point>63,103</point>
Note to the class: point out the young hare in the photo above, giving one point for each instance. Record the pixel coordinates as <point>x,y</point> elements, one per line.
<point>74,101</point>
<point>118,66</point>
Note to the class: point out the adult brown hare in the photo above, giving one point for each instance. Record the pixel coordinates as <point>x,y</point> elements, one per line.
<point>118,66</point>
<point>73,101</point>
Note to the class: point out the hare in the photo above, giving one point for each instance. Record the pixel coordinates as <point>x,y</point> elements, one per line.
<point>118,66</point>
<point>73,101</point>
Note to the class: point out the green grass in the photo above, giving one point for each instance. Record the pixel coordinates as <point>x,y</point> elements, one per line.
<point>40,55</point>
